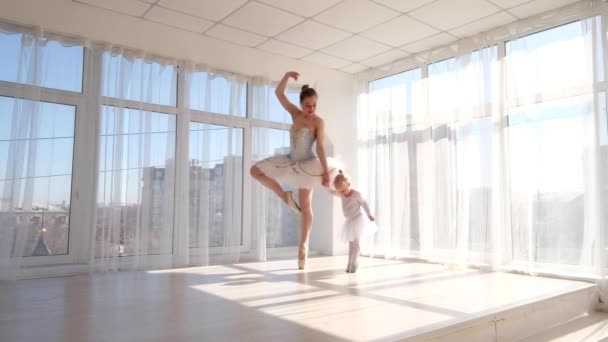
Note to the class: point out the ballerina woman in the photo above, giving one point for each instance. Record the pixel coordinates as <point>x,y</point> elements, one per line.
<point>301,168</point>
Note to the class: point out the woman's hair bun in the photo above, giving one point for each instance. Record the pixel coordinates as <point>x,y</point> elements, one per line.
<point>304,87</point>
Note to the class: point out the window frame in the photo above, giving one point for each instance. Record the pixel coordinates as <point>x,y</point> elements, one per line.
<point>77,212</point>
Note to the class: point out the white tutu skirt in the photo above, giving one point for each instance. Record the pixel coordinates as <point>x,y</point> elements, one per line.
<point>357,227</point>
<point>301,174</point>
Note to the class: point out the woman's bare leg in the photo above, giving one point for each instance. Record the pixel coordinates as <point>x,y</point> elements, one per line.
<point>268,182</point>
<point>306,227</point>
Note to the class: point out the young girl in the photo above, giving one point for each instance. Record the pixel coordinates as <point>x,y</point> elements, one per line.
<point>356,223</point>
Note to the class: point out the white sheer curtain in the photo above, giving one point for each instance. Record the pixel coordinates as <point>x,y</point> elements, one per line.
<point>260,196</point>
<point>274,226</point>
<point>36,144</point>
<point>557,113</point>
<point>216,231</point>
<point>432,138</point>
<point>136,178</point>
<point>145,196</point>
<point>495,162</point>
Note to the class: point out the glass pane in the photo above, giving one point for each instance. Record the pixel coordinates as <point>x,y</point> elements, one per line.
<point>36,150</point>
<point>393,98</point>
<point>136,182</point>
<point>553,60</point>
<point>282,225</point>
<point>49,65</point>
<point>218,94</point>
<point>276,112</point>
<point>216,185</point>
<point>474,181</point>
<point>459,90</point>
<point>547,156</point>
<point>139,80</point>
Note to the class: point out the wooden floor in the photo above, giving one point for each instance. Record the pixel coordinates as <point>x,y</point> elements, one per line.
<point>589,328</point>
<point>266,301</point>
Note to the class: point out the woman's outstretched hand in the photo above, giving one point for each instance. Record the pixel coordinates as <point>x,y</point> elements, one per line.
<point>292,74</point>
<point>325,180</point>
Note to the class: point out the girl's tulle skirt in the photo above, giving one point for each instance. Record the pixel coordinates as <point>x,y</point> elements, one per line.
<point>358,227</point>
<point>301,174</point>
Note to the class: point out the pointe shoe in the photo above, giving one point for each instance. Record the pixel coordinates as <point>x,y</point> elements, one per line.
<point>348,268</point>
<point>291,203</point>
<point>301,257</point>
<point>353,267</point>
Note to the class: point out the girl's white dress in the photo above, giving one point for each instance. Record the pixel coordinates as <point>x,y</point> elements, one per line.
<point>356,211</point>
<point>301,168</point>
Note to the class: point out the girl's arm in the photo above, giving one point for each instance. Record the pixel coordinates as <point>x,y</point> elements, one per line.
<point>280,93</point>
<point>321,150</point>
<point>365,207</point>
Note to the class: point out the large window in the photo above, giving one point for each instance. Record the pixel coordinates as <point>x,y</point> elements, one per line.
<point>388,158</point>
<point>554,62</point>
<point>276,112</point>
<point>216,145</point>
<point>217,93</point>
<point>137,147</point>
<point>21,58</point>
<point>36,150</point>
<point>136,182</point>
<point>281,224</point>
<point>40,90</point>
<point>397,100</point>
<point>93,161</point>
<point>506,163</point>
<point>463,98</point>
<point>138,80</point>
<point>431,138</point>
<point>550,78</point>
<point>216,181</point>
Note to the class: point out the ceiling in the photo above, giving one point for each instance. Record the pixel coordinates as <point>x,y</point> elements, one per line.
<point>348,35</point>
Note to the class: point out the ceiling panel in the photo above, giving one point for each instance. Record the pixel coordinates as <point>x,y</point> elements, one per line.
<point>482,25</point>
<point>327,60</point>
<point>306,8</point>
<point>449,14</point>
<point>385,58</point>
<point>348,35</point>
<point>404,6</point>
<point>209,9</point>
<point>234,35</point>
<point>177,19</point>
<point>285,49</point>
<point>355,68</point>
<point>262,19</point>
<point>356,49</point>
<point>129,7</point>
<point>429,43</point>
<point>508,3</point>
<point>538,7</point>
<point>356,15</point>
<point>313,35</point>
<point>400,31</point>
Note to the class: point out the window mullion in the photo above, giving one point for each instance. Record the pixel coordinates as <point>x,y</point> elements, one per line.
<point>85,174</point>
<point>144,106</point>
<point>182,182</point>
<point>35,93</point>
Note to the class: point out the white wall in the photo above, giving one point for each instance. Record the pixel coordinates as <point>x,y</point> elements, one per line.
<point>336,103</point>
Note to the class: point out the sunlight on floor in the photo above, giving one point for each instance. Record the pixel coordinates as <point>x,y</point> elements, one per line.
<point>383,299</point>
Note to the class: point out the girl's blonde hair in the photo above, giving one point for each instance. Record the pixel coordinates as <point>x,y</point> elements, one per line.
<point>340,178</point>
